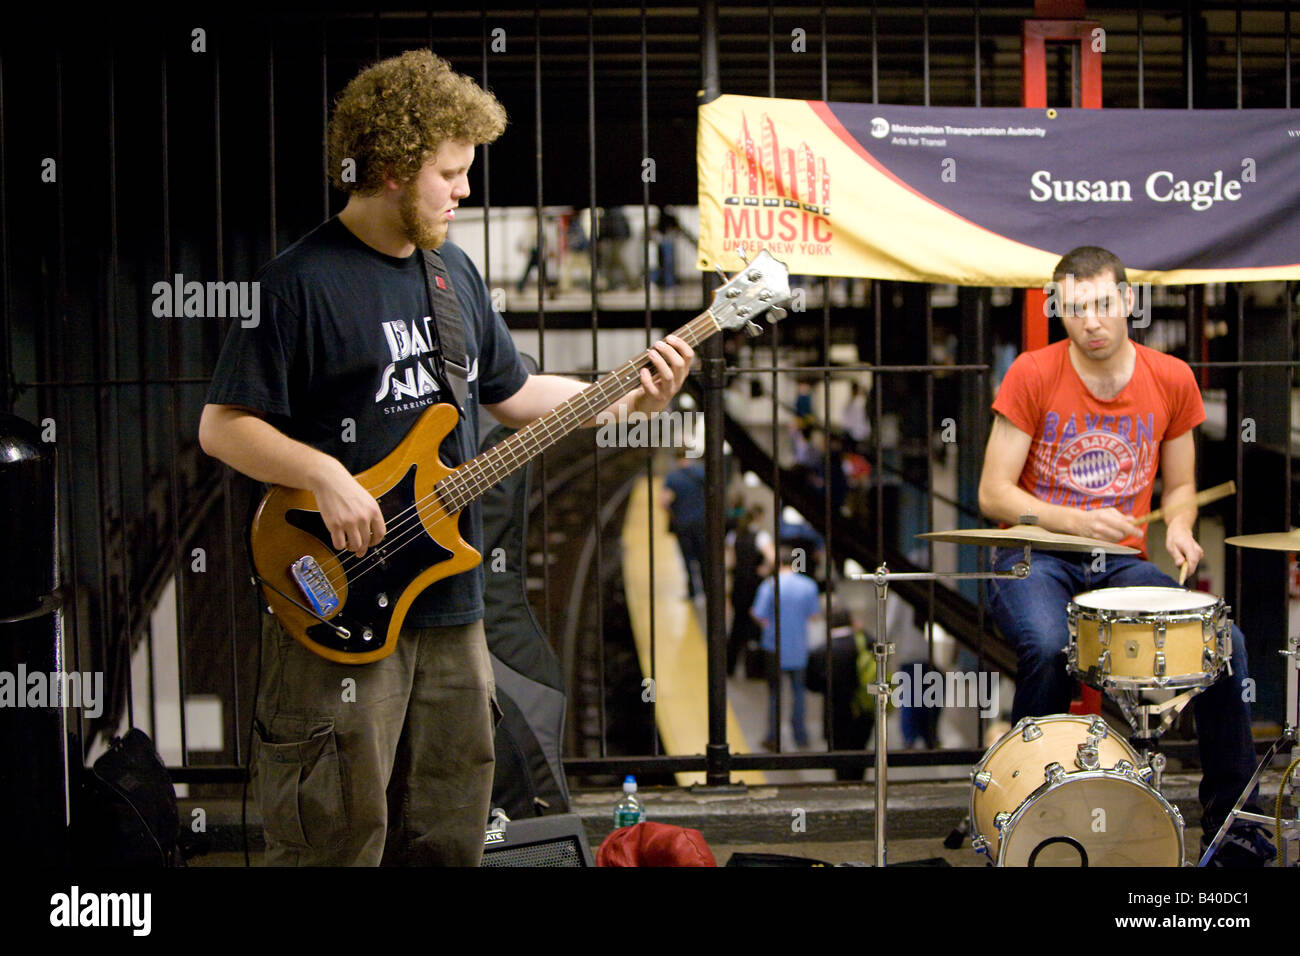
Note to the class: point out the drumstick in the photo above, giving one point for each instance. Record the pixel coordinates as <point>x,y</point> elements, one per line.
<point>1182,573</point>
<point>1204,498</point>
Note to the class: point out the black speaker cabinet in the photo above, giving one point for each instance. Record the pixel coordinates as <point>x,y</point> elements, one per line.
<point>556,840</point>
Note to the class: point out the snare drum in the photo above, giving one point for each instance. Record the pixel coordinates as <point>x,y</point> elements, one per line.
<point>1148,637</point>
<point>1064,791</point>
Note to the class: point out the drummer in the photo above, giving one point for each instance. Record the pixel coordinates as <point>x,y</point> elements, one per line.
<point>1079,429</point>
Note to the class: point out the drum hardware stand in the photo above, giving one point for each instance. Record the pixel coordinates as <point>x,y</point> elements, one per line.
<point>883,648</point>
<point>1145,737</point>
<point>1288,739</point>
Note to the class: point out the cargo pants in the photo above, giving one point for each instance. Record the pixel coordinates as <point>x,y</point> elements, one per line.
<point>384,763</point>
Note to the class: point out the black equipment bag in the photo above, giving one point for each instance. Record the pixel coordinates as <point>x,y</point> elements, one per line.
<point>124,808</point>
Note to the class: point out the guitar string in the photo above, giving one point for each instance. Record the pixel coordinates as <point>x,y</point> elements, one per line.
<point>483,471</point>
<point>469,487</point>
<point>466,488</point>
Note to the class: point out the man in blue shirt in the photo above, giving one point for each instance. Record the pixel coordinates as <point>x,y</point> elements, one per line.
<point>799,605</point>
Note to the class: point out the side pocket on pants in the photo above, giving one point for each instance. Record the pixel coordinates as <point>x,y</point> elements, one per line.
<point>300,783</point>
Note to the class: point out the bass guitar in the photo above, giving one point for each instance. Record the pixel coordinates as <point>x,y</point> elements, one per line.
<point>350,609</point>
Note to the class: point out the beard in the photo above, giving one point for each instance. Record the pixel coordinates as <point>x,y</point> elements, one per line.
<point>424,233</point>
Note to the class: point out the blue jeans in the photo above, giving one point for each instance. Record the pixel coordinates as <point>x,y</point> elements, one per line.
<point>1031,613</point>
<point>797,690</point>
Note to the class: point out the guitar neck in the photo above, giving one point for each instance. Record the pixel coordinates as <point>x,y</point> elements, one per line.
<point>477,475</point>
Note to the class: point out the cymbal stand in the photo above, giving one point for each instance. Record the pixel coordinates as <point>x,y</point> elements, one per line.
<point>882,648</point>
<point>1288,739</point>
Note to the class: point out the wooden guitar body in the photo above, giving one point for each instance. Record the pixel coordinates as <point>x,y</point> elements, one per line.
<point>376,591</point>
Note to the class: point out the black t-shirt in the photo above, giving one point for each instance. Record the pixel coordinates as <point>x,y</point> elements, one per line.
<point>342,359</point>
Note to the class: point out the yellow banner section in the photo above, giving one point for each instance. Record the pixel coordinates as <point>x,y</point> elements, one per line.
<point>774,174</point>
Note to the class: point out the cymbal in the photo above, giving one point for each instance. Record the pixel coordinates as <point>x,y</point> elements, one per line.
<point>1273,541</point>
<point>1022,534</point>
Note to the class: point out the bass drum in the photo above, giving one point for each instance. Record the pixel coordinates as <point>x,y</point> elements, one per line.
<point>1064,791</point>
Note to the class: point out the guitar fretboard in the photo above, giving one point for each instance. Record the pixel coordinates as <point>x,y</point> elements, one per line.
<point>477,475</point>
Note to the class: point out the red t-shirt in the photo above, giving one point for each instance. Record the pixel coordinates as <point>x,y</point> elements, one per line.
<point>1088,453</point>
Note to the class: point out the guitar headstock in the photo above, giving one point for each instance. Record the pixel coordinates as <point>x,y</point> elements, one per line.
<point>763,285</point>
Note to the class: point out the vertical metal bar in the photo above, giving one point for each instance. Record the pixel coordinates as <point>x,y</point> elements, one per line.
<point>7,366</point>
<point>1187,48</point>
<point>929,466</point>
<point>875,61</point>
<point>173,418</point>
<point>595,351</point>
<point>771,50</point>
<point>925,50</point>
<point>982,561</point>
<point>981,585</point>
<point>1141,54</point>
<point>651,504</point>
<point>1240,446</point>
<point>718,750</point>
<point>270,131</point>
<point>776,438</point>
<point>109,344</point>
<point>227,492</point>
<point>486,154</point>
<point>541,335</point>
<point>1286,52</point>
<point>1238,47</point>
<point>826,464</point>
<point>324,133</point>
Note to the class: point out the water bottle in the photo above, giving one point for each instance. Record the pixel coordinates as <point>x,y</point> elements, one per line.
<point>629,811</point>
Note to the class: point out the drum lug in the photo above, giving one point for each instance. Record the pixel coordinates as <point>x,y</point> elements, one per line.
<point>1097,728</point>
<point>1001,820</point>
<point>1032,731</point>
<point>1160,635</point>
<point>1054,773</point>
<point>1103,665</point>
<point>1103,633</point>
<point>982,780</point>
<point>1160,664</point>
<point>1125,767</point>
<point>1087,757</point>
<point>980,845</point>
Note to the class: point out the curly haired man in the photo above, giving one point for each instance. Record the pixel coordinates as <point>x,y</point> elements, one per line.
<point>389,762</point>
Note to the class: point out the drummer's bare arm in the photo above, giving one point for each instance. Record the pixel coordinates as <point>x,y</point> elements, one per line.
<point>1178,472</point>
<point>1002,499</point>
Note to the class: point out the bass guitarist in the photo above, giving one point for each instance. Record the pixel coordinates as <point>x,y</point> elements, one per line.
<point>397,767</point>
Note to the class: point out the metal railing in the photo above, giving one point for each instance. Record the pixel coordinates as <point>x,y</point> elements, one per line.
<point>132,151</point>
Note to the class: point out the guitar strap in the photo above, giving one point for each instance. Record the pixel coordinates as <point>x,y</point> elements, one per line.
<point>450,325</point>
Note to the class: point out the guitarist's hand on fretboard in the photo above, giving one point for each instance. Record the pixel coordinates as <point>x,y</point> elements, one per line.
<point>671,358</point>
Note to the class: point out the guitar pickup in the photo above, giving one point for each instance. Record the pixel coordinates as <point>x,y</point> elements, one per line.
<point>316,588</point>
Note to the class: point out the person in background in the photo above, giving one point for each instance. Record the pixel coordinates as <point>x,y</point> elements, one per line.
<point>749,566</point>
<point>683,498</point>
<point>798,597</point>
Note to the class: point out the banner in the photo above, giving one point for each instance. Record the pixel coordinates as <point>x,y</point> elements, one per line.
<point>996,196</point>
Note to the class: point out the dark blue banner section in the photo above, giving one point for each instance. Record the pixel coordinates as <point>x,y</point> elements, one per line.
<point>1165,190</point>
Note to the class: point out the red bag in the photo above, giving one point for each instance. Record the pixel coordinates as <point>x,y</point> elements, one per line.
<point>655,844</point>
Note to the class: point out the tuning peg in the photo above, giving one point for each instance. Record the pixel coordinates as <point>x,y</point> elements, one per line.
<point>743,258</point>
<point>753,329</point>
<point>777,313</point>
<point>721,274</point>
